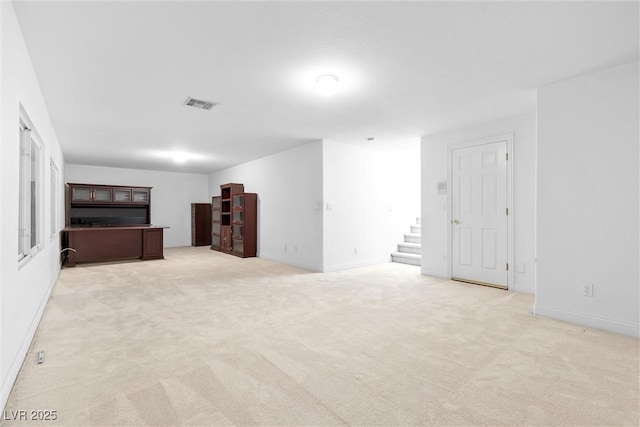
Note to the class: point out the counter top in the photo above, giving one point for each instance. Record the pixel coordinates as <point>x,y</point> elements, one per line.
<point>112,227</point>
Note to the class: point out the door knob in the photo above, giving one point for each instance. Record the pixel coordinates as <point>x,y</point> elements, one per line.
<point>455,221</point>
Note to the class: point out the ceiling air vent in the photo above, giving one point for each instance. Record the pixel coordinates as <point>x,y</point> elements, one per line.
<point>199,103</point>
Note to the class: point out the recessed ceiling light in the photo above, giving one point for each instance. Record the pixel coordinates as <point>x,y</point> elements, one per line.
<point>327,84</point>
<point>371,139</point>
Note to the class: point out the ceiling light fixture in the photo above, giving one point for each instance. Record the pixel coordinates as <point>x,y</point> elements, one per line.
<point>179,157</point>
<point>327,84</point>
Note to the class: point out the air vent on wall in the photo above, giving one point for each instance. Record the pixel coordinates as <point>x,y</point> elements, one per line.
<point>199,103</point>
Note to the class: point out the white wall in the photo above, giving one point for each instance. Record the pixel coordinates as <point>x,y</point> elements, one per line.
<point>25,286</point>
<point>435,254</point>
<point>587,198</point>
<point>328,205</point>
<point>171,196</point>
<point>289,187</point>
<point>371,198</point>
<point>4,377</point>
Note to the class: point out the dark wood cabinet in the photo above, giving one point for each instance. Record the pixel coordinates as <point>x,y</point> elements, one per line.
<point>107,194</point>
<point>234,221</point>
<point>200,224</point>
<point>100,244</point>
<point>108,205</point>
<point>108,223</point>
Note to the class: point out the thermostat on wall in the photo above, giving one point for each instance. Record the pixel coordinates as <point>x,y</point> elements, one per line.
<point>442,187</point>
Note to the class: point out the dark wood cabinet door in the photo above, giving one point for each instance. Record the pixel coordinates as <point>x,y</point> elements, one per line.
<point>216,220</point>
<point>81,194</point>
<point>225,237</point>
<point>216,203</point>
<point>200,224</point>
<point>140,196</point>
<point>215,241</point>
<point>102,195</point>
<point>152,243</point>
<point>90,194</point>
<point>122,195</point>
<point>249,221</point>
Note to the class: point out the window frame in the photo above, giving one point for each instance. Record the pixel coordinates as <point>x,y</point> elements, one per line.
<point>31,201</point>
<point>54,198</point>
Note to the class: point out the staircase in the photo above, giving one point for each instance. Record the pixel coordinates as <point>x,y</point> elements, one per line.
<point>409,251</point>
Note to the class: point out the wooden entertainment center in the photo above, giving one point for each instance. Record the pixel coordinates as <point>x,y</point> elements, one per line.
<point>108,223</point>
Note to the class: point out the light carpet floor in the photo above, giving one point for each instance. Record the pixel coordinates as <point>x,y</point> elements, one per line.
<point>203,338</point>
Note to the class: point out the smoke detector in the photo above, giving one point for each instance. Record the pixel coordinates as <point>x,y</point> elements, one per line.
<point>199,103</point>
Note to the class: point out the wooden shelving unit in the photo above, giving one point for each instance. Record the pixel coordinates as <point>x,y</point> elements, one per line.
<point>234,221</point>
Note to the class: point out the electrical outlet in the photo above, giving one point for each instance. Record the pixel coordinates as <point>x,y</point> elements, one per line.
<point>355,251</point>
<point>285,247</point>
<point>588,290</point>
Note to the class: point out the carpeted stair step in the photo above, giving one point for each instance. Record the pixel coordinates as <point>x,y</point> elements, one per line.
<point>413,238</point>
<point>405,258</point>
<point>410,248</point>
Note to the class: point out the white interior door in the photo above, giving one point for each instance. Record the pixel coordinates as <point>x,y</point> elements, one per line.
<point>479,214</point>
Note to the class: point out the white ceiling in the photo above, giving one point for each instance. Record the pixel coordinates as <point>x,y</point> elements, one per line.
<point>115,75</point>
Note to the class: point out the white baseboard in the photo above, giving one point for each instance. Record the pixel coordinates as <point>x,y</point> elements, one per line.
<point>435,273</point>
<point>16,364</point>
<point>589,321</point>
<point>356,264</point>
<point>328,269</point>
<point>294,263</point>
<point>524,289</point>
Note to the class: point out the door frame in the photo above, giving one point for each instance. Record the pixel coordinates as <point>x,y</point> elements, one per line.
<point>508,137</point>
